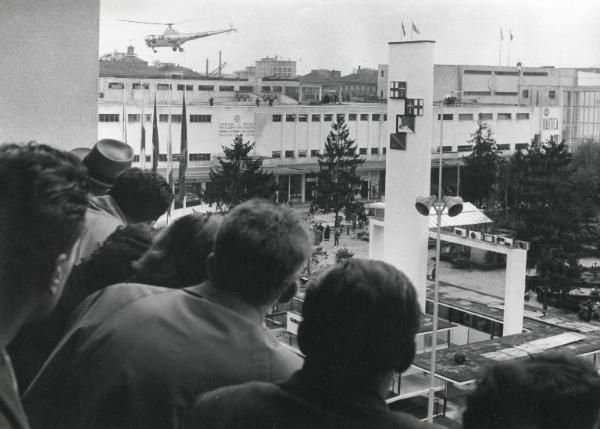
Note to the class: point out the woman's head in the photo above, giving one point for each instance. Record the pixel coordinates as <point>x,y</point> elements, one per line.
<point>177,257</point>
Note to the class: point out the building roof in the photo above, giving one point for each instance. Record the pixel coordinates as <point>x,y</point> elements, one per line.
<point>470,215</point>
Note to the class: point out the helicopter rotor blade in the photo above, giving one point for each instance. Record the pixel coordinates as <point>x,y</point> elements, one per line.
<point>146,22</point>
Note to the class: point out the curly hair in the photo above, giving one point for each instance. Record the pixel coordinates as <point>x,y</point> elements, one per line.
<point>177,258</point>
<point>43,199</point>
<point>142,195</point>
<point>258,248</point>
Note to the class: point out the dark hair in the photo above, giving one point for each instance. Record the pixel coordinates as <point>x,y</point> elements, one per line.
<point>112,262</point>
<point>550,391</point>
<point>43,198</point>
<point>142,195</point>
<point>178,255</point>
<point>258,248</point>
<point>359,318</point>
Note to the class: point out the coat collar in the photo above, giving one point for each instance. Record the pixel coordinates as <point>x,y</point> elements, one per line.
<point>10,404</point>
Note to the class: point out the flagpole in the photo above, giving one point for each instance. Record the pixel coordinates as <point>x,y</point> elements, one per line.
<point>124,130</point>
<point>142,131</point>
<point>170,144</point>
<point>500,48</point>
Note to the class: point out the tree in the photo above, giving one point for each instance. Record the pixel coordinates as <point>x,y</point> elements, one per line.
<point>239,177</point>
<point>482,166</point>
<point>337,180</point>
<point>543,199</point>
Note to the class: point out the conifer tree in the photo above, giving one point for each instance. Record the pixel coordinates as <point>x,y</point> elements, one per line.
<point>238,178</point>
<point>337,179</point>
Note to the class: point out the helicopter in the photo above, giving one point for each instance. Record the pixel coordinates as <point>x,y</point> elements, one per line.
<point>172,38</point>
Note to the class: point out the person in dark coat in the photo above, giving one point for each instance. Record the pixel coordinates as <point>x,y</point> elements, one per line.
<point>137,355</point>
<point>327,233</point>
<point>109,264</point>
<point>43,198</point>
<point>359,324</point>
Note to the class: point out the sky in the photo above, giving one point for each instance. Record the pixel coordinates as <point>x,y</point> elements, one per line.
<point>345,34</point>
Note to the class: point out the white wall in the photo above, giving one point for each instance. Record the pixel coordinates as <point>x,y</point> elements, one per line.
<point>48,90</point>
<point>408,171</point>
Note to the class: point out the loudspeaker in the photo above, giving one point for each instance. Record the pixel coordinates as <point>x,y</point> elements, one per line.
<point>522,244</point>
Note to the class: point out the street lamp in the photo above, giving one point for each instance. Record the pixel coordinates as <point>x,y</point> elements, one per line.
<point>453,206</point>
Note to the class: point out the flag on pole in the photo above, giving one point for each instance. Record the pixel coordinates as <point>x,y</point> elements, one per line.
<point>155,150</point>
<point>403,30</point>
<point>170,143</point>
<point>501,34</point>
<point>143,136</point>
<point>510,34</point>
<point>183,154</point>
<point>414,28</point>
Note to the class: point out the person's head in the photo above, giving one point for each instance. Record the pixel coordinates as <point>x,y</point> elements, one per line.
<point>258,250</point>
<point>549,391</point>
<point>178,255</point>
<point>142,195</point>
<point>112,262</point>
<point>43,198</point>
<point>105,162</point>
<point>359,320</point>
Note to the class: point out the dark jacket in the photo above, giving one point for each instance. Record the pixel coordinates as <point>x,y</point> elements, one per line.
<point>301,402</point>
<point>11,410</point>
<point>138,355</point>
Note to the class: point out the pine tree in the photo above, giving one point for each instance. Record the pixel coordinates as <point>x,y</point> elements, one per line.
<point>543,199</point>
<point>482,166</point>
<point>337,178</point>
<point>238,178</point>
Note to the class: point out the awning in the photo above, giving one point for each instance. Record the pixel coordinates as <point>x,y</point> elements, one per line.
<point>470,215</point>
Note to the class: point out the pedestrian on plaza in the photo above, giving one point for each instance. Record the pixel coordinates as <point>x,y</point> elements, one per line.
<point>336,237</point>
<point>347,229</point>
<point>320,226</point>
<point>137,196</point>
<point>137,355</point>
<point>327,233</point>
<point>318,236</point>
<point>257,101</point>
<point>211,101</point>
<point>43,198</point>
<point>550,390</point>
<point>359,321</point>
<point>109,264</point>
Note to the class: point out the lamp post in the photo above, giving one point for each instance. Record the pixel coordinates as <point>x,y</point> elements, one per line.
<point>454,206</point>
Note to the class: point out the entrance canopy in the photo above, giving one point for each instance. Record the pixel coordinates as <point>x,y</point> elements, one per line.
<point>470,215</point>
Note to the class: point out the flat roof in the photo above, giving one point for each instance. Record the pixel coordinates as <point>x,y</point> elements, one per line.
<point>488,306</point>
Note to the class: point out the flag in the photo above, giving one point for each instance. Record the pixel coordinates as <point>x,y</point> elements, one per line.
<point>143,147</point>
<point>155,150</point>
<point>510,34</point>
<point>414,28</point>
<point>183,154</point>
<point>403,30</point>
<point>501,35</point>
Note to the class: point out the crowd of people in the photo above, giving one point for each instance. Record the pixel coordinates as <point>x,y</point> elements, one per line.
<point>112,324</point>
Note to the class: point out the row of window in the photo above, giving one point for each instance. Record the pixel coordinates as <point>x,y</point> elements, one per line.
<point>524,93</point>
<point>135,117</point>
<point>468,147</point>
<point>162,157</point>
<point>328,117</point>
<point>315,153</point>
<point>505,73</point>
<point>187,87</point>
<point>484,116</point>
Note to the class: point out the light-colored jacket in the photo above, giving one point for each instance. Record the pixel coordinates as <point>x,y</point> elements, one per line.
<point>102,218</point>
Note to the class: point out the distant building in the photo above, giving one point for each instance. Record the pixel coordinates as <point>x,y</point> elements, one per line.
<point>275,68</point>
<point>290,133</point>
